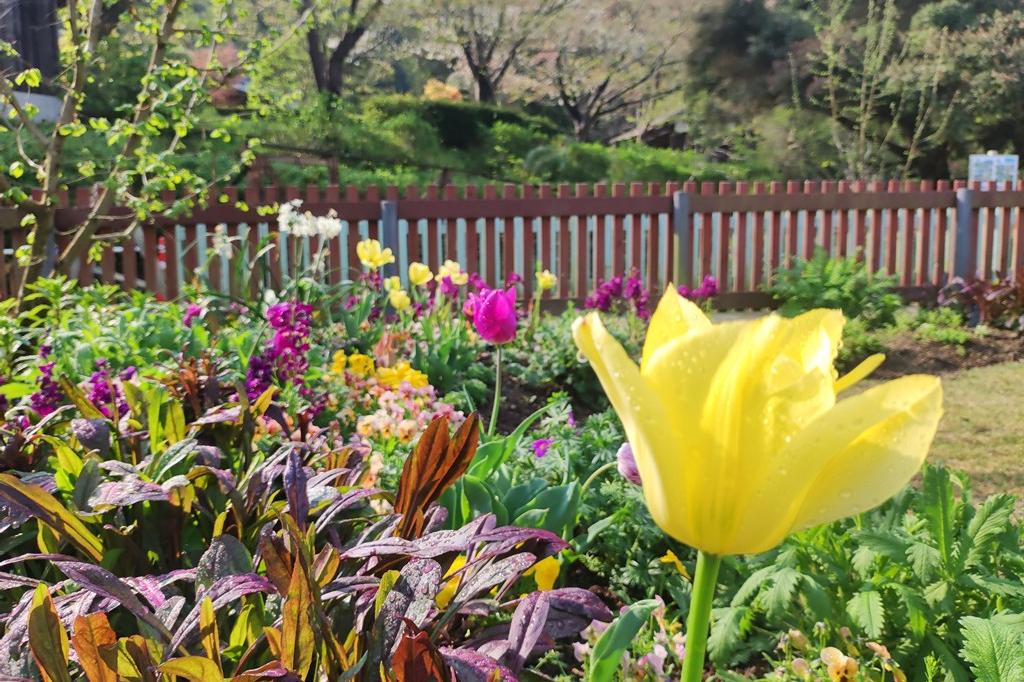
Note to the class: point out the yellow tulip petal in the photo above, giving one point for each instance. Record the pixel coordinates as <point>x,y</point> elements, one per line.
<point>861,371</point>
<point>642,415</point>
<point>737,393</point>
<point>878,440</point>
<point>674,317</point>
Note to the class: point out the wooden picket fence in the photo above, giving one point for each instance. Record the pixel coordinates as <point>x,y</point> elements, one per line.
<point>741,233</point>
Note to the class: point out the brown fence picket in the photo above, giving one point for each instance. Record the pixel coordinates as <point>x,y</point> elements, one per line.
<point>740,232</point>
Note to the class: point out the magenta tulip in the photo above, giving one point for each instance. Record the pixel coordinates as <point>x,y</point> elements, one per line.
<point>494,315</point>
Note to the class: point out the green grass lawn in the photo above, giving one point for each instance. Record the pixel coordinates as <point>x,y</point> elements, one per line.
<point>982,431</point>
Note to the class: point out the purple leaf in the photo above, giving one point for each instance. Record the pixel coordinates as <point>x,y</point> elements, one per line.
<point>225,556</point>
<point>428,546</point>
<point>223,592</point>
<point>346,501</point>
<point>104,583</point>
<point>471,666</point>
<point>216,415</point>
<point>505,571</point>
<point>534,540</point>
<point>94,434</point>
<point>125,492</point>
<point>527,627</point>
<point>295,489</point>
<point>411,597</point>
<point>149,587</point>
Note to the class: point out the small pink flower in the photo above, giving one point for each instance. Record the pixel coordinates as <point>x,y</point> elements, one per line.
<point>494,315</point>
<point>627,465</point>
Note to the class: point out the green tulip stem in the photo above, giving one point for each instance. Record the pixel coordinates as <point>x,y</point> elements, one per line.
<point>700,616</point>
<point>497,391</point>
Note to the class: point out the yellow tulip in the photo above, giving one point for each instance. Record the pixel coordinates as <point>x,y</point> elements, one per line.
<point>372,256</point>
<point>419,274</point>
<point>453,270</point>
<point>737,432</point>
<point>393,283</point>
<point>546,280</point>
<point>399,299</point>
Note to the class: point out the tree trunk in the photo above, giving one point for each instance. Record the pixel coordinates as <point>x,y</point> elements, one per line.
<point>484,88</point>
<point>41,235</point>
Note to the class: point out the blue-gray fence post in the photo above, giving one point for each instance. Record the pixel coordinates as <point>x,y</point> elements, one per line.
<point>682,263</point>
<point>963,259</point>
<point>389,233</point>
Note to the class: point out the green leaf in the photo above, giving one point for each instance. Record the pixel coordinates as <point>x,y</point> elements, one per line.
<point>779,597</point>
<point>607,653</point>
<point>924,559</point>
<point>47,639</point>
<point>45,507</point>
<point>991,519</point>
<point>298,639</point>
<point>938,507</point>
<point>729,626</point>
<point>865,608</point>
<point>192,668</point>
<point>995,651</point>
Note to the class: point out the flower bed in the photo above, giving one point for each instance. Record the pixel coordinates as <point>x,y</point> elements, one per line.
<point>302,486</point>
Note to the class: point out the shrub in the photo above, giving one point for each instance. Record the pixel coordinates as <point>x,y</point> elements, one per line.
<point>942,325</point>
<point>843,283</point>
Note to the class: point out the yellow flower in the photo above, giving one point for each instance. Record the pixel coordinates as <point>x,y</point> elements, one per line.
<point>546,280</point>
<point>453,270</point>
<point>451,586</point>
<point>394,376</point>
<point>393,283</point>
<point>407,429</point>
<point>737,432</point>
<point>338,362</point>
<point>360,365</point>
<point>841,668</point>
<point>671,558</point>
<point>419,274</point>
<point>365,425</point>
<point>399,299</point>
<point>372,256</point>
<point>545,573</point>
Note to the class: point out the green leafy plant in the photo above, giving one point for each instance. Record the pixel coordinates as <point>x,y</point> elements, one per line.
<point>841,283</point>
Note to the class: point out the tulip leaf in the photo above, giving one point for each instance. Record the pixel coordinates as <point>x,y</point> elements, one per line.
<point>605,659</point>
<point>47,639</point>
<point>866,610</point>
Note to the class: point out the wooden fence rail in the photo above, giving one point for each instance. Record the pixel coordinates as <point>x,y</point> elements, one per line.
<point>923,232</point>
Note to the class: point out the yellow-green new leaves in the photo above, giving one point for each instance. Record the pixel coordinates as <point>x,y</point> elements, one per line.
<point>209,637</point>
<point>40,504</point>
<point>47,639</point>
<point>93,633</point>
<point>193,668</point>
<point>298,638</point>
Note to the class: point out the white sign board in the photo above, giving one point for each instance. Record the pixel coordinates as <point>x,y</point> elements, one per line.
<point>993,167</point>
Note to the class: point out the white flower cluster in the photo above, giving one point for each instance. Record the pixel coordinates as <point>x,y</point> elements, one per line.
<point>221,241</point>
<point>305,224</point>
